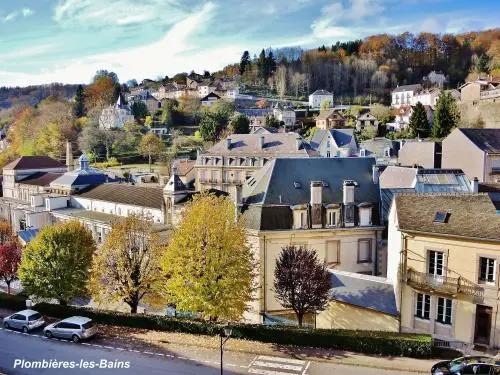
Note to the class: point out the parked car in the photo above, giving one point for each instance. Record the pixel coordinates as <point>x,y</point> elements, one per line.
<point>75,328</point>
<point>25,320</point>
<point>480,365</point>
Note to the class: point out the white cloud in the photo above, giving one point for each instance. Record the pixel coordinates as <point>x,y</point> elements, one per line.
<point>116,12</point>
<point>10,17</point>
<point>432,25</point>
<point>27,12</point>
<point>28,52</point>
<point>173,53</point>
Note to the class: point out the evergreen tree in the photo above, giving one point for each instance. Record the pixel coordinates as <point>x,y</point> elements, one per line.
<point>419,126</point>
<point>446,116</point>
<point>79,107</point>
<point>261,64</point>
<point>245,61</point>
<point>270,64</point>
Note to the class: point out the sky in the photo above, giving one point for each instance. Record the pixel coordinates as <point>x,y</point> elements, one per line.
<point>67,41</point>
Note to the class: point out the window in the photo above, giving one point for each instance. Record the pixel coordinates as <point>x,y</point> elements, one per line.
<point>333,252</point>
<point>362,152</point>
<point>237,176</point>
<point>423,306</point>
<point>444,310</point>
<point>365,251</point>
<point>332,218</point>
<point>226,176</point>
<point>441,217</point>
<point>387,152</point>
<point>328,154</point>
<point>303,219</point>
<point>436,263</point>
<point>365,216</point>
<point>34,317</point>
<point>214,176</point>
<point>487,270</point>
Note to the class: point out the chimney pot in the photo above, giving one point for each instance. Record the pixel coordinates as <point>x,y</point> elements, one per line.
<point>228,143</point>
<point>475,185</point>
<point>261,142</point>
<point>375,174</point>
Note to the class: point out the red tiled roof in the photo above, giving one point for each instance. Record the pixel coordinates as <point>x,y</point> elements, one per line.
<point>34,162</point>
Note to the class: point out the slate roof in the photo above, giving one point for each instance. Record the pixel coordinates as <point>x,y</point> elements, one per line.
<point>487,140</point>
<point>321,92</point>
<point>469,215</point>
<point>40,178</point>
<point>255,111</point>
<point>34,162</point>
<point>370,292</point>
<point>375,147</point>
<point>184,166</point>
<point>342,137</point>
<point>265,130</point>
<point>211,95</point>
<point>415,87</point>
<point>398,177</point>
<point>141,196</point>
<point>274,183</point>
<point>276,144</point>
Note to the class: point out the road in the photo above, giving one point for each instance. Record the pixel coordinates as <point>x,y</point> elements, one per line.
<point>16,347</point>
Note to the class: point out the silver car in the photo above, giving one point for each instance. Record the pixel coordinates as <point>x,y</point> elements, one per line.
<point>75,328</point>
<point>25,320</point>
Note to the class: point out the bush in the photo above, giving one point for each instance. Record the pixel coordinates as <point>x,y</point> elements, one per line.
<point>12,302</point>
<point>369,342</point>
<point>111,162</point>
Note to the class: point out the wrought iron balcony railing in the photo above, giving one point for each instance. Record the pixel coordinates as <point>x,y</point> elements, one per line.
<point>443,284</point>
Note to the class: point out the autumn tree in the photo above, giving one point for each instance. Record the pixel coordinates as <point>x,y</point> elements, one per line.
<point>127,267</point>
<point>382,113</point>
<point>419,125</point>
<point>5,231</point>
<point>240,124</point>
<point>56,263</point>
<point>207,265</point>
<point>151,146</point>
<point>301,281</point>
<point>10,257</point>
<point>446,116</point>
<point>102,92</point>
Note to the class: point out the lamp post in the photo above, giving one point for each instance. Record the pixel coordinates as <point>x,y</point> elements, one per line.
<point>224,336</point>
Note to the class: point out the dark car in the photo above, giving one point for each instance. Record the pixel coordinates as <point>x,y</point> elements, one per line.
<point>479,365</point>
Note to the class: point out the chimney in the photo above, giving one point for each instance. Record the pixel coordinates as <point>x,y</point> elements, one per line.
<point>349,208</point>
<point>298,140</point>
<point>474,185</point>
<point>316,204</point>
<point>228,143</point>
<point>375,173</point>
<point>236,194</point>
<point>349,192</point>
<point>261,142</point>
<point>69,155</point>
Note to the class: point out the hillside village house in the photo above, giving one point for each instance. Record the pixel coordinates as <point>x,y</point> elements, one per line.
<point>332,143</point>
<point>327,204</point>
<point>435,78</point>
<point>330,119</point>
<point>403,94</point>
<point>443,259</point>
<point>426,154</point>
<point>115,116</point>
<point>317,98</point>
<point>402,116</point>
<point>365,120</point>
<point>427,97</point>
<point>385,151</point>
<point>475,151</point>
<point>285,115</point>
<point>209,99</point>
<point>480,90</point>
<point>233,160</point>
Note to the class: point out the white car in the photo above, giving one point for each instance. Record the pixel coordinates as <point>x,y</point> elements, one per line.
<point>25,320</point>
<point>75,328</point>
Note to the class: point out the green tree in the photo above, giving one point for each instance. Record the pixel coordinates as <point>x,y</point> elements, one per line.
<point>301,282</point>
<point>127,267</point>
<point>139,110</point>
<point>369,132</point>
<point>446,116</point>
<point>210,127</point>
<point>151,146</point>
<point>419,125</point>
<point>56,263</point>
<point>240,124</point>
<point>325,105</point>
<point>382,113</point>
<point>245,62</point>
<point>208,266</point>
<point>79,106</point>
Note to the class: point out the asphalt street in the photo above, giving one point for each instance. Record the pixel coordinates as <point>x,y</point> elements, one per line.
<point>90,358</point>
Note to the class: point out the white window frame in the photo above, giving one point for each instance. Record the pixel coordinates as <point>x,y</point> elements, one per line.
<point>435,273</point>
<point>332,214</point>
<point>490,271</point>
<point>424,300</point>
<point>447,306</point>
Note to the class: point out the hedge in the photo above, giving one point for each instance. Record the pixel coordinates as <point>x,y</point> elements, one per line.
<point>369,342</point>
<point>11,301</point>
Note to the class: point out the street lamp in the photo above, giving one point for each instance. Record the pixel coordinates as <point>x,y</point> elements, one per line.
<point>224,336</point>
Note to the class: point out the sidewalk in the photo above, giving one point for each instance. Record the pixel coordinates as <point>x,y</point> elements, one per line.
<point>193,345</point>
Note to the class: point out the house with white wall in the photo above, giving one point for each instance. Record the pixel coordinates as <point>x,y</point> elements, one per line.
<point>318,97</point>
<point>402,95</point>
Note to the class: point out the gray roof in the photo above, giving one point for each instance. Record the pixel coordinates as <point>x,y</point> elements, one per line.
<point>487,140</point>
<point>375,147</point>
<point>275,183</point>
<point>321,92</point>
<point>342,137</point>
<point>415,87</point>
<point>370,292</point>
<point>275,145</point>
<point>40,178</point>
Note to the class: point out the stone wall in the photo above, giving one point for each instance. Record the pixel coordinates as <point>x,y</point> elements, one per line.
<point>487,110</point>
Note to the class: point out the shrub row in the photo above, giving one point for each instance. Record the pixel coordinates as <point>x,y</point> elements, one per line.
<point>369,342</point>
<point>13,302</point>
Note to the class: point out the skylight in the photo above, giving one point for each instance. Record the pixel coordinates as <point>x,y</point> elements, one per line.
<point>441,217</point>
<point>296,185</point>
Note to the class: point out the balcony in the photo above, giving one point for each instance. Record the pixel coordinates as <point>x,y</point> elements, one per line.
<point>443,284</point>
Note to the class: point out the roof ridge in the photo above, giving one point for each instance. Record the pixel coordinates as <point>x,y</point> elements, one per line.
<point>444,193</point>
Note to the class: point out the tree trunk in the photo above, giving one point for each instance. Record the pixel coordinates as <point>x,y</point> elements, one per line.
<point>8,286</point>
<point>63,302</point>
<point>149,161</point>
<point>300,317</point>
<point>133,309</point>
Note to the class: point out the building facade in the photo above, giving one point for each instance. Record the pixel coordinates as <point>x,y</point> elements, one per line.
<point>318,97</point>
<point>402,95</point>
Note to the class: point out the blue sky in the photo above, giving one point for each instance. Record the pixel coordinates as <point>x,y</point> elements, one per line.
<point>43,41</point>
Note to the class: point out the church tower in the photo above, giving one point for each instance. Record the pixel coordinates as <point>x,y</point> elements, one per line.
<point>174,192</point>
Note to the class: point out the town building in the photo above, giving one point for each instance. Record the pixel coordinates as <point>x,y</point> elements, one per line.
<point>480,90</point>
<point>327,204</point>
<point>330,119</point>
<point>436,79</point>
<point>284,115</point>
<point>209,99</point>
<point>425,154</point>
<point>115,116</point>
<point>402,116</point>
<point>403,94</point>
<point>233,160</point>
<point>332,143</point>
<point>443,259</point>
<point>186,171</point>
<point>385,151</point>
<point>475,151</point>
<point>366,120</point>
<point>317,98</point>
<point>257,116</point>
<point>426,97</point>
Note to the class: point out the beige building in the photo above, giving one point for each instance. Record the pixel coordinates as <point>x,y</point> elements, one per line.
<point>233,160</point>
<point>424,154</point>
<point>443,259</point>
<point>327,204</point>
<point>480,90</point>
<point>330,119</point>
<point>475,151</point>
